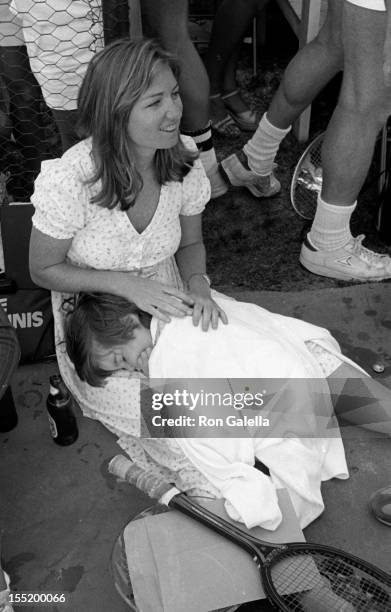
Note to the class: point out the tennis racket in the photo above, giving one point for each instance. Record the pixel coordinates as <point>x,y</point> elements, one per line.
<point>296,577</point>
<point>307,180</point>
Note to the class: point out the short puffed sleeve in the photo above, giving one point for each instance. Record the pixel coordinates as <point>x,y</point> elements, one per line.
<point>60,200</point>
<point>195,186</point>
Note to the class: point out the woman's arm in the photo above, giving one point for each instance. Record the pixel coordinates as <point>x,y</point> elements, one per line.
<point>191,260</point>
<point>50,269</point>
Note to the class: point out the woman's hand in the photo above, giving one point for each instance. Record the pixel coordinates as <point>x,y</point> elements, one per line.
<point>156,298</point>
<point>205,309</point>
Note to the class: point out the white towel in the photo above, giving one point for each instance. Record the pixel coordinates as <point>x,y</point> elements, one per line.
<point>257,344</point>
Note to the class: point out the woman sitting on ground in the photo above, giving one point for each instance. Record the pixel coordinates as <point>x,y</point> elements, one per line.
<point>121,212</point>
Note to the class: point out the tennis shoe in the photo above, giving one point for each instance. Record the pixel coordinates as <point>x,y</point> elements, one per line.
<point>350,262</point>
<point>239,176</point>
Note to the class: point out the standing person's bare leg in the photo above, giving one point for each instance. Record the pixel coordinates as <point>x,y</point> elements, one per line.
<point>168,20</point>
<point>308,72</point>
<point>363,107</point>
<point>233,16</point>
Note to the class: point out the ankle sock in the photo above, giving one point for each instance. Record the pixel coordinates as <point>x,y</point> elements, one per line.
<point>331,227</point>
<point>262,148</point>
<point>204,142</point>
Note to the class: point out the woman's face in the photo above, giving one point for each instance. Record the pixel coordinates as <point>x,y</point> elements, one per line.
<point>154,119</point>
<point>123,356</point>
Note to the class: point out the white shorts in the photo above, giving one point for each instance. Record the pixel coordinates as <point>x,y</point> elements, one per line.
<point>61,37</point>
<point>374,5</point>
<point>11,34</point>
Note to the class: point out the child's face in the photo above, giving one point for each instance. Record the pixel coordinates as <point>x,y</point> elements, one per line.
<point>124,356</point>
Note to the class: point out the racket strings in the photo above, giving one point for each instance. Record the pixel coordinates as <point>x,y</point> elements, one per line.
<point>307,182</point>
<point>321,582</point>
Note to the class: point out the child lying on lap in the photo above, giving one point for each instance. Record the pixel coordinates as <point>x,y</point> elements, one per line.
<point>107,335</point>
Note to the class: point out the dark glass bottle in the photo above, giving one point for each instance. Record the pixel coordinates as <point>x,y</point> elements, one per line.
<point>62,421</point>
<point>8,414</point>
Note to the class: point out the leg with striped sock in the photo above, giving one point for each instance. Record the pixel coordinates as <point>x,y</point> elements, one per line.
<point>203,140</point>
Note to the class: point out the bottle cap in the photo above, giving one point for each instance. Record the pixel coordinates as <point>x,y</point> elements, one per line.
<point>53,390</point>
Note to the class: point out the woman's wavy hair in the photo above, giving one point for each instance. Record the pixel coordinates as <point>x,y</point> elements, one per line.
<point>106,319</point>
<point>115,79</point>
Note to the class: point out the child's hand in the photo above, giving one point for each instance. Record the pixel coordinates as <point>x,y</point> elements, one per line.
<point>142,361</point>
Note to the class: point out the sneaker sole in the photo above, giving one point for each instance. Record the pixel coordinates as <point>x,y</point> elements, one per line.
<point>320,270</point>
<point>254,191</point>
<point>258,194</point>
<point>230,178</point>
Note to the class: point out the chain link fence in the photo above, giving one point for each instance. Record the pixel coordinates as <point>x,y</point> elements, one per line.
<point>45,47</point>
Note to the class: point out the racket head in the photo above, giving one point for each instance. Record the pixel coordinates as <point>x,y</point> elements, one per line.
<point>304,577</point>
<point>306,182</point>
<point>297,577</point>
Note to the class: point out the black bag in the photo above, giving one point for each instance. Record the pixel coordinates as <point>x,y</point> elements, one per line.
<point>9,352</point>
<point>28,306</point>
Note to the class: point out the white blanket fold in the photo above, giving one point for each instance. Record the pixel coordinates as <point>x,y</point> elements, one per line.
<point>257,344</point>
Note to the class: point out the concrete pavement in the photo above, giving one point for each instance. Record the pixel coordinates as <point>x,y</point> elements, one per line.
<point>61,511</point>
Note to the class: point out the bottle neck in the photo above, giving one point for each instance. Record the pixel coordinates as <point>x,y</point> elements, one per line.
<point>58,392</point>
<point>53,390</point>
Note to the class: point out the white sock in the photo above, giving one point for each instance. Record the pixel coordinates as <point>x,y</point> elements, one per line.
<point>262,148</point>
<point>209,161</point>
<point>331,227</point>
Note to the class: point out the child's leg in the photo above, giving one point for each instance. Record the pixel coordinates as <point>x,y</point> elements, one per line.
<point>360,400</point>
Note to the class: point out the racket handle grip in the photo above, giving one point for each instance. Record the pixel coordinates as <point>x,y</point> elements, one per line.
<point>150,484</point>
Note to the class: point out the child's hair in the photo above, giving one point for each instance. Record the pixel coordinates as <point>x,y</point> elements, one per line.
<point>106,319</point>
<point>115,79</point>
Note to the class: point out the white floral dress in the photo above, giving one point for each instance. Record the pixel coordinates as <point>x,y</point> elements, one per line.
<point>105,239</point>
